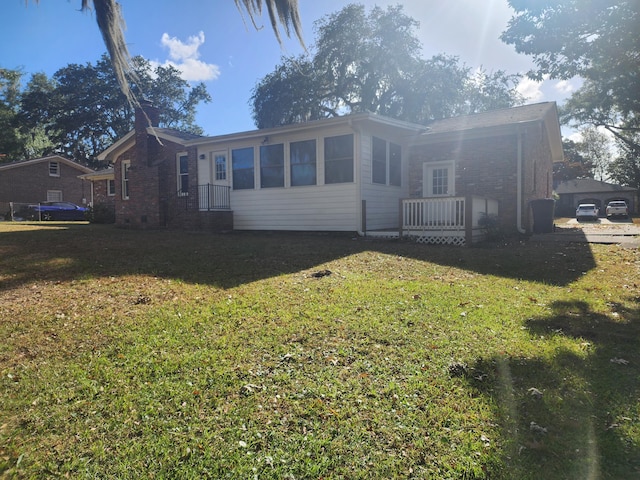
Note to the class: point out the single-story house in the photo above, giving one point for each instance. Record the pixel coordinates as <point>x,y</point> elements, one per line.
<point>361,173</point>
<point>52,179</point>
<point>588,190</point>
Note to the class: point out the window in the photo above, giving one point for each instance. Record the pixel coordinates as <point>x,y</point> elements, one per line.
<point>385,161</point>
<point>220,161</point>
<point>303,163</point>
<point>395,164</point>
<point>338,159</point>
<point>272,166</point>
<point>440,181</point>
<point>54,195</point>
<point>182,168</point>
<point>242,164</point>
<point>54,169</point>
<point>126,166</point>
<point>379,161</point>
<point>111,187</point>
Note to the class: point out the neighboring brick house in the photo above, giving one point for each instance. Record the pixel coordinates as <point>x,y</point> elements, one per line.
<point>360,173</point>
<point>52,178</point>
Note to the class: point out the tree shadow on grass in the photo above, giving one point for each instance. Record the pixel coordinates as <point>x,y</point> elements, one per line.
<point>226,261</point>
<point>573,414</point>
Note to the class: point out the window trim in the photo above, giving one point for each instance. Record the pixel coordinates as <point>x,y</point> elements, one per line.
<point>111,192</point>
<point>125,168</point>
<point>427,178</point>
<point>251,169</point>
<point>292,164</point>
<point>272,167</point>
<point>335,161</point>
<point>54,196</point>
<point>179,175</point>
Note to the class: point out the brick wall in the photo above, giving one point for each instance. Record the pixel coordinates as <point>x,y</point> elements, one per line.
<point>487,167</point>
<point>29,183</point>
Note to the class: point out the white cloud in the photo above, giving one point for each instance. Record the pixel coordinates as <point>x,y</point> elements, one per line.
<point>530,89</point>
<point>565,87</point>
<point>185,57</point>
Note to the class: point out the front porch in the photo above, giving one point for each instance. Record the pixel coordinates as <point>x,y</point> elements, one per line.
<point>443,220</point>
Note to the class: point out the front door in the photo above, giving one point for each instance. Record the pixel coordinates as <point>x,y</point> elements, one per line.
<point>438,181</point>
<point>213,178</point>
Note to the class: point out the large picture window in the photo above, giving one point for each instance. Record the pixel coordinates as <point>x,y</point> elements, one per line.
<point>272,166</point>
<point>338,159</point>
<point>303,163</point>
<point>243,168</point>
<point>183,175</point>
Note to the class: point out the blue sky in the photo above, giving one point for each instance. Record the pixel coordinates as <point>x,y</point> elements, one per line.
<point>209,41</point>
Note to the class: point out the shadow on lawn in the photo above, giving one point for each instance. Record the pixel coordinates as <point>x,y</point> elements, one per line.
<point>574,415</point>
<point>226,261</point>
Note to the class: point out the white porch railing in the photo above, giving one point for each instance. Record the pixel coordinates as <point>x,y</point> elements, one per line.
<point>450,220</point>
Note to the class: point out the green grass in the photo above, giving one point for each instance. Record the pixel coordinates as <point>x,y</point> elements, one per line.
<point>161,354</point>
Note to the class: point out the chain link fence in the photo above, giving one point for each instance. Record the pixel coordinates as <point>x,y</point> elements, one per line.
<point>19,212</point>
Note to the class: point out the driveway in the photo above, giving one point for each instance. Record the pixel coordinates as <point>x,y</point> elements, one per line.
<point>623,232</point>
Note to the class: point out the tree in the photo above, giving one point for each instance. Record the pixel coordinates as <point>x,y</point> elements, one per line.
<point>573,166</point>
<point>625,169</point>
<point>596,40</point>
<point>371,63</point>
<point>595,147</point>
<point>83,111</point>
<point>10,143</point>
<point>110,22</point>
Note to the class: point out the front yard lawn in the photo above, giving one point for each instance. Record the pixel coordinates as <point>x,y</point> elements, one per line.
<point>156,354</point>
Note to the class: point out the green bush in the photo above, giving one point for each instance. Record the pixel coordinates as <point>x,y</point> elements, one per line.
<point>101,213</point>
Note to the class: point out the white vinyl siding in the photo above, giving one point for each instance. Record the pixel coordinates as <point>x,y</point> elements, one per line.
<point>381,201</point>
<point>313,208</point>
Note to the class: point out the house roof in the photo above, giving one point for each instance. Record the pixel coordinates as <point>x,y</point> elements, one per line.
<point>106,174</point>
<point>487,123</point>
<point>401,127</point>
<point>498,121</point>
<point>51,158</point>
<point>590,185</point>
<point>126,142</point>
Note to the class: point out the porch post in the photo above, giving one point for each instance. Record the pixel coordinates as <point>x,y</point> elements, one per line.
<point>400,218</point>
<point>468,220</point>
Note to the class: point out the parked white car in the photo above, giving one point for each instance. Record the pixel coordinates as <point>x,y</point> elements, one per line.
<point>587,211</point>
<point>617,208</point>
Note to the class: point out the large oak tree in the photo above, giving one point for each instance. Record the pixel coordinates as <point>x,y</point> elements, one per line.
<point>371,62</point>
<point>597,40</point>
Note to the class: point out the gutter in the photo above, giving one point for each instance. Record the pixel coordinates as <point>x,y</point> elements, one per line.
<point>519,188</point>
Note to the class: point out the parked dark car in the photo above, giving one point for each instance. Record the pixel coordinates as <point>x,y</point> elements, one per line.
<point>57,211</point>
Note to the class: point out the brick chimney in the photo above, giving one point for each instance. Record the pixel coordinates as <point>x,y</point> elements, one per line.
<point>146,115</point>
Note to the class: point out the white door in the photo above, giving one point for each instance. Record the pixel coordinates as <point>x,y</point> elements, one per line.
<point>438,181</point>
<point>213,180</point>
